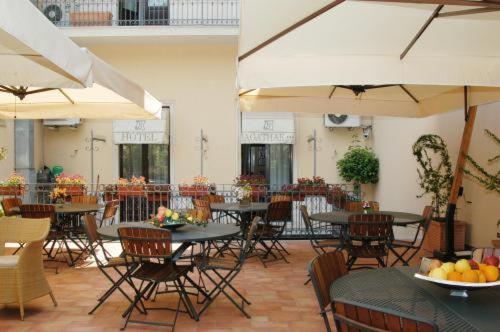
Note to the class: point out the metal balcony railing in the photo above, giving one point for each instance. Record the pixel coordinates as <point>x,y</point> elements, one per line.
<point>77,13</point>
<point>138,203</point>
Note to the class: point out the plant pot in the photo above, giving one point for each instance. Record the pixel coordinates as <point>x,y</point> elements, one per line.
<point>73,189</point>
<point>195,191</point>
<point>130,190</point>
<point>245,202</point>
<point>11,190</point>
<point>435,238</point>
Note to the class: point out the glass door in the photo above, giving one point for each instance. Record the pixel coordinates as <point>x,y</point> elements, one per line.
<point>273,161</point>
<point>148,160</point>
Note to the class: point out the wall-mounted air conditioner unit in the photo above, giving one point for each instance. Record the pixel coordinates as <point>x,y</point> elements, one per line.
<point>79,12</point>
<point>62,122</point>
<point>342,121</point>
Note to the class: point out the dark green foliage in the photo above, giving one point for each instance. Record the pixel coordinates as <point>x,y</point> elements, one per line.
<point>359,165</point>
<point>491,181</point>
<point>434,169</point>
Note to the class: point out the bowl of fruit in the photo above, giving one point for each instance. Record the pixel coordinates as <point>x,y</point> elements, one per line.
<point>461,276</point>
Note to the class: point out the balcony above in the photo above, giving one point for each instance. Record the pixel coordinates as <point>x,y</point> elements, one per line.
<point>96,21</point>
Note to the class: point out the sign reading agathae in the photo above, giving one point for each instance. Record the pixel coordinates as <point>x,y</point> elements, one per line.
<point>267,128</point>
<point>142,131</point>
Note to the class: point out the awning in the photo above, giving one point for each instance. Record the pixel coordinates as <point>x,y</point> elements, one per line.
<point>34,52</point>
<point>431,48</point>
<point>267,128</point>
<point>142,131</point>
<point>44,75</point>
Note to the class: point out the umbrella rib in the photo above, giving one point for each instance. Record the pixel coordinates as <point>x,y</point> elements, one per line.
<point>291,28</point>
<point>6,89</point>
<point>331,93</point>
<point>66,95</point>
<point>467,12</point>
<point>245,92</point>
<point>408,93</point>
<point>421,31</point>
<point>465,3</point>
<point>39,90</point>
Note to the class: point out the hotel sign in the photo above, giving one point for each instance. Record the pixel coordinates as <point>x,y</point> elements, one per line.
<point>267,128</point>
<point>141,131</point>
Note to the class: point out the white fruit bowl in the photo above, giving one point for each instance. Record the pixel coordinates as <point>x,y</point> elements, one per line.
<point>457,288</point>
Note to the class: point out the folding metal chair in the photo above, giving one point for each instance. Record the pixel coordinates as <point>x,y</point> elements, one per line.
<point>368,236</point>
<point>108,216</point>
<point>233,267</point>
<point>106,262</point>
<point>324,270</point>
<point>412,246</point>
<point>140,247</point>
<point>350,317</point>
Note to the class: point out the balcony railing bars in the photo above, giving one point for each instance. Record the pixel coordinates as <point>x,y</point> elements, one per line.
<point>77,13</point>
<point>138,203</point>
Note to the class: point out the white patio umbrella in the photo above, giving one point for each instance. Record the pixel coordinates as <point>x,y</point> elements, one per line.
<point>398,57</point>
<point>333,56</point>
<point>44,75</point>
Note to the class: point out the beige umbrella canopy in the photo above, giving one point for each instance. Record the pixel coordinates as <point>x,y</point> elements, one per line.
<point>398,57</point>
<point>43,74</point>
<point>330,56</point>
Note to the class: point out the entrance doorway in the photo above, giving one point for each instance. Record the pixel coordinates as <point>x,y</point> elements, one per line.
<point>273,161</point>
<point>148,160</point>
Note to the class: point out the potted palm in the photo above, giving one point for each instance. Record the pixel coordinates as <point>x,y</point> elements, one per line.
<point>13,185</point>
<point>435,178</point>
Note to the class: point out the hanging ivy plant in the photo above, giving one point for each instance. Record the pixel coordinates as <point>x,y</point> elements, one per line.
<point>434,170</point>
<point>491,181</point>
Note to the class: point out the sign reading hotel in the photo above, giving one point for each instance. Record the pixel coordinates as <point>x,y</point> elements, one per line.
<point>267,128</point>
<point>141,131</point>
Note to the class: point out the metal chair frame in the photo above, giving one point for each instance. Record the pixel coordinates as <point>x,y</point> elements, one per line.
<point>414,245</point>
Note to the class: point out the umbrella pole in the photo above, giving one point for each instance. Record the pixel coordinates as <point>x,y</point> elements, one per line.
<point>457,183</point>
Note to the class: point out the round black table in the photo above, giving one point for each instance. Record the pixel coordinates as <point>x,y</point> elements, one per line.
<point>396,290</point>
<point>186,233</point>
<point>342,217</point>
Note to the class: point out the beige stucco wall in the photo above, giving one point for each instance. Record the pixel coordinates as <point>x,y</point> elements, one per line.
<point>199,82</point>
<point>398,186</point>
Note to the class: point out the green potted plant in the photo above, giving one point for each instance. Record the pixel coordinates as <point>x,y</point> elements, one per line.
<point>359,165</point>
<point>435,178</point>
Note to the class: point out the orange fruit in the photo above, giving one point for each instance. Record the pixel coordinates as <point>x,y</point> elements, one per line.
<point>491,273</point>
<point>482,266</point>
<point>470,276</point>
<point>482,277</point>
<point>454,276</point>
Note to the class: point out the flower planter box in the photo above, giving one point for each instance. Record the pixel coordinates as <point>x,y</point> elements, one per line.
<point>193,191</point>
<point>72,189</point>
<point>435,237</point>
<point>11,190</point>
<point>292,190</point>
<point>130,190</point>
<point>313,190</point>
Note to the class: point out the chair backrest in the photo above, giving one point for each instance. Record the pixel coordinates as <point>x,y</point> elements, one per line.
<point>84,199</point>
<point>350,317</point>
<point>145,243</point>
<point>479,254</point>
<point>249,243</point>
<point>90,227</point>
<point>203,210</point>
<point>370,227</point>
<point>279,211</point>
<point>324,270</point>
<point>281,198</point>
<point>110,210</point>
<point>9,203</point>
<point>214,198</point>
<point>38,211</point>
<point>23,230</point>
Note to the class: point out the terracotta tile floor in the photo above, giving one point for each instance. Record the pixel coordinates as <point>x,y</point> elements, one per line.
<point>280,302</point>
